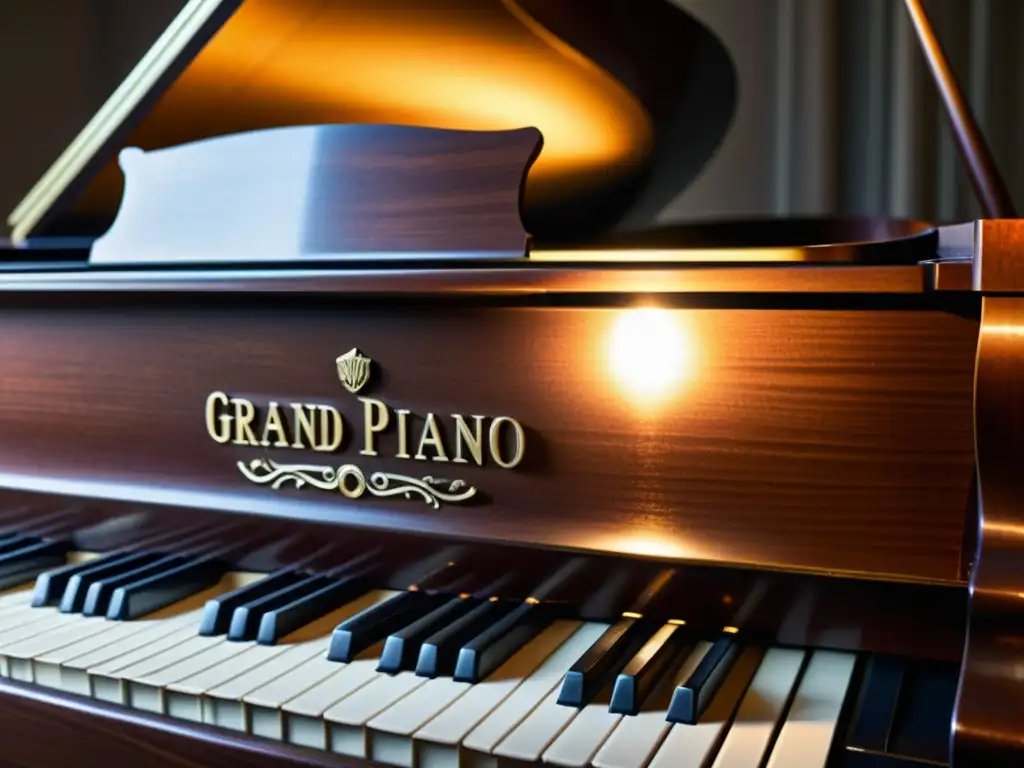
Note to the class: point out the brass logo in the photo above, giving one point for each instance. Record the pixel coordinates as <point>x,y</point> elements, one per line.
<point>354,370</point>
<point>382,431</point>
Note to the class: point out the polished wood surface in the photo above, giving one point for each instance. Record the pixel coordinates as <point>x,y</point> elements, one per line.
<point>999,256</point>
<point>987,730</point>
<point>523,279</point>
<point>357,191</point>
<point>828,438</point>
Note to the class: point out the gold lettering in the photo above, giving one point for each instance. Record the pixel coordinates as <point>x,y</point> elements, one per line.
<point>304,425</point>
<point>431,436</point>
<point>494,439</point>
<point>474,440</point>
<point>218,425</point>
<point>245,412</point>
<point>331,429</point>
<point>403,434</point>
<point>274,423</point>
<point>375,419</point>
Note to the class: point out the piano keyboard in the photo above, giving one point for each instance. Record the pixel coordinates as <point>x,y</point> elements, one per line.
<point>416,679</point>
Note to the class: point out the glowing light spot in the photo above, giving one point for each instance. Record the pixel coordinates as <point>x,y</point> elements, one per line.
<point>650,353</point>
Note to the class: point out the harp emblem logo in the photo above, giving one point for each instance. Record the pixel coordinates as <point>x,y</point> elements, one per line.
<point>354,370</point>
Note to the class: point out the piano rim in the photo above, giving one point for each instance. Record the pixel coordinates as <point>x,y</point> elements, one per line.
<point>479,278</point>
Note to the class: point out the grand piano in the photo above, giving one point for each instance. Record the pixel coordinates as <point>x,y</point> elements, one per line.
<point>344,430</point>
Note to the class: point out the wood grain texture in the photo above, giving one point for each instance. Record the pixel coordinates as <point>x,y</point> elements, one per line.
<point>44,729</point>
<point>323,190</point>
<point>835,440</point>
<point>987,730</point>
<point>998,261</point>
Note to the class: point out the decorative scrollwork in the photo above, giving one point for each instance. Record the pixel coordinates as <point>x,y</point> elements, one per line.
<point>350,481</point>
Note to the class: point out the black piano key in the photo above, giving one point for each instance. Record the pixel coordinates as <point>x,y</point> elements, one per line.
<point>33,553</point>
<point>78,583</point>
<point>439,652</point>
<point>97,596</point>
<point>609,653</point>
<point>25,564</point>
<point>648,668</point>
<point>162,589</point>
<point>401,648</point>
<point>50,586</point>
<point>692,696</point>
<point>217,611</point>
<point>925,711</point>
<point>876,707</point>
<point>356,634</point>
<point>491,649</point>
<point>281,621</point>
<point>16,541</point>
<point>245,619</point>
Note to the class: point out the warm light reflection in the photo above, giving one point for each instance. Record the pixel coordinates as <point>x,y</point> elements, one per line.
<point>649,353</point>
<point>464,64</point>
<point>1002,330</point>
<point>679,255</point>
<point>648,546</point>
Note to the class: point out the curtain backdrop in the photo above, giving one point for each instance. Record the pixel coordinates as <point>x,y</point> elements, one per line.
<point>837,112</point>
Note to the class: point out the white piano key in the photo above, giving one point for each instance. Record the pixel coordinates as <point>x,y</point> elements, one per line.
<point>579,742</point>
<point>19,656</point>
<point>759,712</point>
<point>19,623</point>
<point>155,627</point>
<point>146,678</point>
<point>692,746</point>
<point>224,705</point>
<point>67,667</point>
<point>103,679</point>
<point>47,621</point>
<point>531,692</point>
<point>437,742</point>
<point>302,717</point>
<point>531,737</point>
<point>148,690</point>
<point>107,678</point>
<point>183,698</point>
<point>20,598</point>
<point>806,735</point>
<point>637,738</point>
<point>390,732</point>
<point>346,720</point>
<point>263,705</point>
<point>186,698</point>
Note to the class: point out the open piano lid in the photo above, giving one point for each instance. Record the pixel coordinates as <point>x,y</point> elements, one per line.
<point>233,66</point>
<point>598,85</point>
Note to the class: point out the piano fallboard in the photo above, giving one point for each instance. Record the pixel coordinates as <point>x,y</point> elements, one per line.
<point>825,432</point>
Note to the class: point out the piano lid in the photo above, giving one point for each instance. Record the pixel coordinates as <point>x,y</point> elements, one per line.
<point>601,79</point>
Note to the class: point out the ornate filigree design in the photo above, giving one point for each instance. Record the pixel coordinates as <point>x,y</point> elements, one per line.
<point>350,481</point>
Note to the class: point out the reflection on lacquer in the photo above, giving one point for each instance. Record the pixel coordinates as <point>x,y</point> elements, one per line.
<point>650,355</point>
